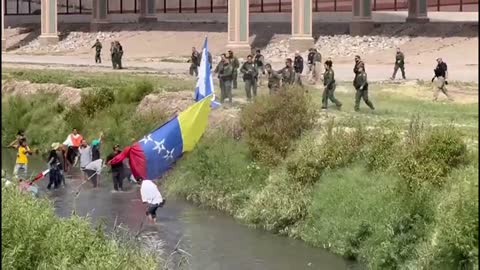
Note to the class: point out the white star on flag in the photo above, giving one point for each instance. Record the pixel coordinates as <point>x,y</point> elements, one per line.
<point>169,154</point>
<point>146,139</point>
<point>159,146</point>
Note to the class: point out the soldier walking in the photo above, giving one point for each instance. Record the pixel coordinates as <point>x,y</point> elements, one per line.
<point>98,50</point>
<point>235,65</point>
<point>194,62</point>
<point>358,64</point>
<point>113,54</point>
<point>317,59</point>
<point>441,73</point>
<point>225,76</point>
<point>259,66</point>
<point>298,67</point>
<point>329,84</point>
<point>288,73</point>
<point>250,77</point>
<point>399,64</point>
<point>361,87</point>
<point>120,54</point>
<point>217,70</point>
<point>274,79</point>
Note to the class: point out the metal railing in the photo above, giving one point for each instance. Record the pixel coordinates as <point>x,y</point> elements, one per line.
<point>67,7</point>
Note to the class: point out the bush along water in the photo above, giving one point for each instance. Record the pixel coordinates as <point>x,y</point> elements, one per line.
<point>45,120</point>
<point>385,196</point>
<point>34,238</point>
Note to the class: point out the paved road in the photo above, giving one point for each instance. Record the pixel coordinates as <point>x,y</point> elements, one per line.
<point>343,71</point>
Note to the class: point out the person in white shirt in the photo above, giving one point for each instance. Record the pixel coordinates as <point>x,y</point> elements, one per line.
<point>150,196</point>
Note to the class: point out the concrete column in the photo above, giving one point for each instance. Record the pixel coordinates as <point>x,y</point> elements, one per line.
<point>99,15</point>
<point>4,41</point>
<point>238,27</point>
<point>362,23</point>
<point>148,11</point>
<point>49,34</point>
<point>302,38</point>
<point>417,11</point>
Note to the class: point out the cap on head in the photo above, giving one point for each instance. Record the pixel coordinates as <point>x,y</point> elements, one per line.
<point>55,145</point>
<point>95,142</point>
<point>258,51</point>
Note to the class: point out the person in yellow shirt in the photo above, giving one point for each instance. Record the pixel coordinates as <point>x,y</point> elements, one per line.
<point>22,158</point>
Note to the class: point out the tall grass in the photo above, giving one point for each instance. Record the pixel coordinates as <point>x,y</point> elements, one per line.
<point>34,238</point>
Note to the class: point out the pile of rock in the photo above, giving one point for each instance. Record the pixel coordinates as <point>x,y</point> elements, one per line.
<point>72,41</point>
<point>337,45</point>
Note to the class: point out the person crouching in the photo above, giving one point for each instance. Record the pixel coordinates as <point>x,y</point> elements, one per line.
<point>150,196</point>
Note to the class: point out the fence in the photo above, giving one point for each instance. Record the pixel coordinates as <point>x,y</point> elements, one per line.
<point>32,7</point>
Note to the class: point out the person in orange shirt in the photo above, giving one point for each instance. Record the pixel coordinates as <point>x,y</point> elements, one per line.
<point>72,143</point>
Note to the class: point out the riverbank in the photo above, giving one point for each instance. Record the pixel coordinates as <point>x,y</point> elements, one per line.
<point>395,188</point>
<point>34,237</point>
<point>338,186</point>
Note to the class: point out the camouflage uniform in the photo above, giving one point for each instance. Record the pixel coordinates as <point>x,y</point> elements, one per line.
<point>288,75</point>
<point>235,65</point>
<point>98,50</point>
<point>361,85</point>
<point>250,77</point>
<point>259,62</point>
<point>226,76</point>
<point>329,90</point>
<point>274,81</point>
<point>399,64</point>
<point>194,63</point>
<point>113,54</point>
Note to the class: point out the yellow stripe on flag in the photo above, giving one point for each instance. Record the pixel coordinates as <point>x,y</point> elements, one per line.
<point>193,122</point>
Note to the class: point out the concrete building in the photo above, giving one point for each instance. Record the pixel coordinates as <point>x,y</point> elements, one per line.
<point>102,11</point>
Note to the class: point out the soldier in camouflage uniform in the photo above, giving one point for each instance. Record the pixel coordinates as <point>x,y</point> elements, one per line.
<point>194,62</point>
<point>98,51</point>
<point>218,69</point>
<point>235,65</point>
<point>274,79</point>
<point>399,64</point>
<point>120,54</point>
<point>329,90</point>
<point>361,86</point>
<point>113,54</point>
<point>250,77</point>
<point>288,73</point>
<point>358,64</point>
<point>318,65</point>
<point>226,76</point>
<point>259,62</point>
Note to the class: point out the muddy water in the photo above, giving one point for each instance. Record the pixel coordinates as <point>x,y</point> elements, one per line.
<point>215,241</point>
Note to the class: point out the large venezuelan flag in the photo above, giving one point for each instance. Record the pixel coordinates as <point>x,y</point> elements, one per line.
<point>151,156</point>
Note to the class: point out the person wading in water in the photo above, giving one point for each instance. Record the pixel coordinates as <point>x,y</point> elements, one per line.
<point>72,143</point>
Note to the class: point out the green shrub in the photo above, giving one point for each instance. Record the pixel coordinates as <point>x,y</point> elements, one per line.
<point>380,148</point>
<point>136,92</point>
<point>305,164</point>
<point>96,100</point>
<point>80,83</point>
<point>454,237</point>
<point>279,207</point>
<point>428,157</point>
<point>271,123</point>
<point>34,238</point>
<point>348,206</point>
<point>218,173</point>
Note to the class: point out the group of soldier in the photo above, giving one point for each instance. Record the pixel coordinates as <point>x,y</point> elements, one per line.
<point>255,68</point>
<point>116,53</point>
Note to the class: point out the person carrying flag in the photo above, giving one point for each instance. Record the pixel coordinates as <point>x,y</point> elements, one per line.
<point>117,170</point>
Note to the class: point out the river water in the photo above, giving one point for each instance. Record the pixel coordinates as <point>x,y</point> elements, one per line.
<point>215,241</point>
